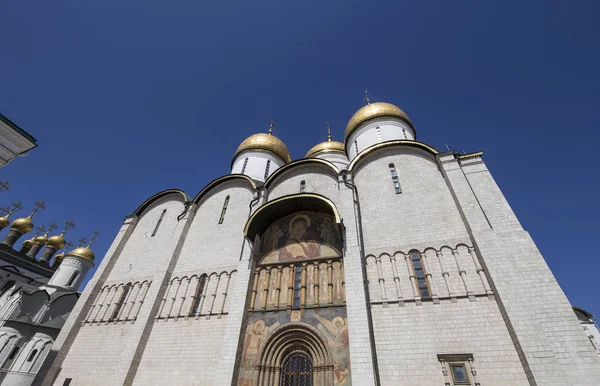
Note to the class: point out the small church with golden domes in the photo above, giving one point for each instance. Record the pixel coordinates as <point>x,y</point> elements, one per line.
<point>38,290</point>
<point>377,261</point>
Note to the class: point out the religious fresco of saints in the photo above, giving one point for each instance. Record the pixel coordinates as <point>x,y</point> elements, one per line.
<point>301,236</point>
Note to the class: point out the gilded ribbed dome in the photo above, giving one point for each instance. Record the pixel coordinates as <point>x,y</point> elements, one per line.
<point>41,240</point>
<point>325,146</point>
<point>56,242</point>
<point>373,110</point>
<point>22,225</point>
<point>83,252</point>
<point>267,142</point>
<point>4,222</point>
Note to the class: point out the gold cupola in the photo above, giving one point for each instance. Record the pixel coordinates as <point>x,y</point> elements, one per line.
<point>373,111</point>
<point>83,252</point>
<point>57,241</point>
<point>265,142</point>
<point>22,225</point>
<point>4,222</point>
<point>329,145</point>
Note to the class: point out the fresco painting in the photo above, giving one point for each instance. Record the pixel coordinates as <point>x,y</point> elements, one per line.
<point>332,323</point>
<point>301,236</point>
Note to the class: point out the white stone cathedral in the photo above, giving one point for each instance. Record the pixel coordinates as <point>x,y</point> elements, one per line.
<point>377,261</point>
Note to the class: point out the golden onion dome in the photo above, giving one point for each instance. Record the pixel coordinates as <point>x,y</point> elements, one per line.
<point>56,242</point>
<point>22,225</point>
<point>60,257</point>
<point>4,222</point>
<point>325,146</point>
<point>83,252</point>
<point>40,240</point>
<point>267,142</point>
<point>27,243</point>
<point>371,111</point>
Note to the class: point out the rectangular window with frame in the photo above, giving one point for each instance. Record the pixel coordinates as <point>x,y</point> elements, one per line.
<point>458,369</point>
<point>302,186</point>
<point>395,181</point>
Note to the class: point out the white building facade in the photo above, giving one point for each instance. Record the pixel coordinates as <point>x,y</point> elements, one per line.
<point>377,261</point>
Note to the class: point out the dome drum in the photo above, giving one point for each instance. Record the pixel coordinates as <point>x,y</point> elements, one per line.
<point>376,123</point>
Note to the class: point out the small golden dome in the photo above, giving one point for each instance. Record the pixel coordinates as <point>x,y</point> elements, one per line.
<point>27,243</point>
<point>41,240</point>
<point>326,146</point>
<point>22,225</point>
<point>4,222</point>
<point>268,142</point>
<point>56,242</point>
<point>373,110</point>
<point>83,252</point>
<point>60,257</point>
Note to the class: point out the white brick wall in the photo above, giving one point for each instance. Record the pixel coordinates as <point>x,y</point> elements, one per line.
<point>495,296</point>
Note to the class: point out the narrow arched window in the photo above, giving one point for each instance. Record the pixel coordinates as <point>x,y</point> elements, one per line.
<point>297,369</point>
<point>395,179</point>
<point>244,166</point>
<point>356,146</point>
<point>10,359</point>
<point>198,295</point>
<point>419,271</point>
<point>379,137</point>
<point>302,186</point>
<point>9,284</point>
<point>32,355</point>
<point>224,210</point>
<point>121,302</point>
<point>267,169</point>
<point>158,222</point>
<point>297,285</point>
<point>13,353</point>
<point>72,279</point>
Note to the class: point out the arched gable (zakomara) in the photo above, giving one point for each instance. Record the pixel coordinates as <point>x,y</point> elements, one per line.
<point>304,226</point>
<point>306,175</point>
<point>215,236</point>
<point>154,237</point>
<point>400,182</point>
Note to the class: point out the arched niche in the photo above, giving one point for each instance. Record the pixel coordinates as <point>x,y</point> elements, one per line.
<point>285,206</point>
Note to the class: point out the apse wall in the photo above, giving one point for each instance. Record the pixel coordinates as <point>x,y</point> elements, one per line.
<point>424,211</point>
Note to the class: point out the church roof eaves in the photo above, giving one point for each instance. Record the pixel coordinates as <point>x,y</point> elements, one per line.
<point>220,180</point>
<point>158,195</point>
<point>382,145</point>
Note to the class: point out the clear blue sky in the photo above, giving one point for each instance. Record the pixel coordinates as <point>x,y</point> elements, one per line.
<point>128,98</point>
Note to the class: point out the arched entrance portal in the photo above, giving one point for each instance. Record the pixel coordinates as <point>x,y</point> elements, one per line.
<point>295,354</point>
<point>297,370</point>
